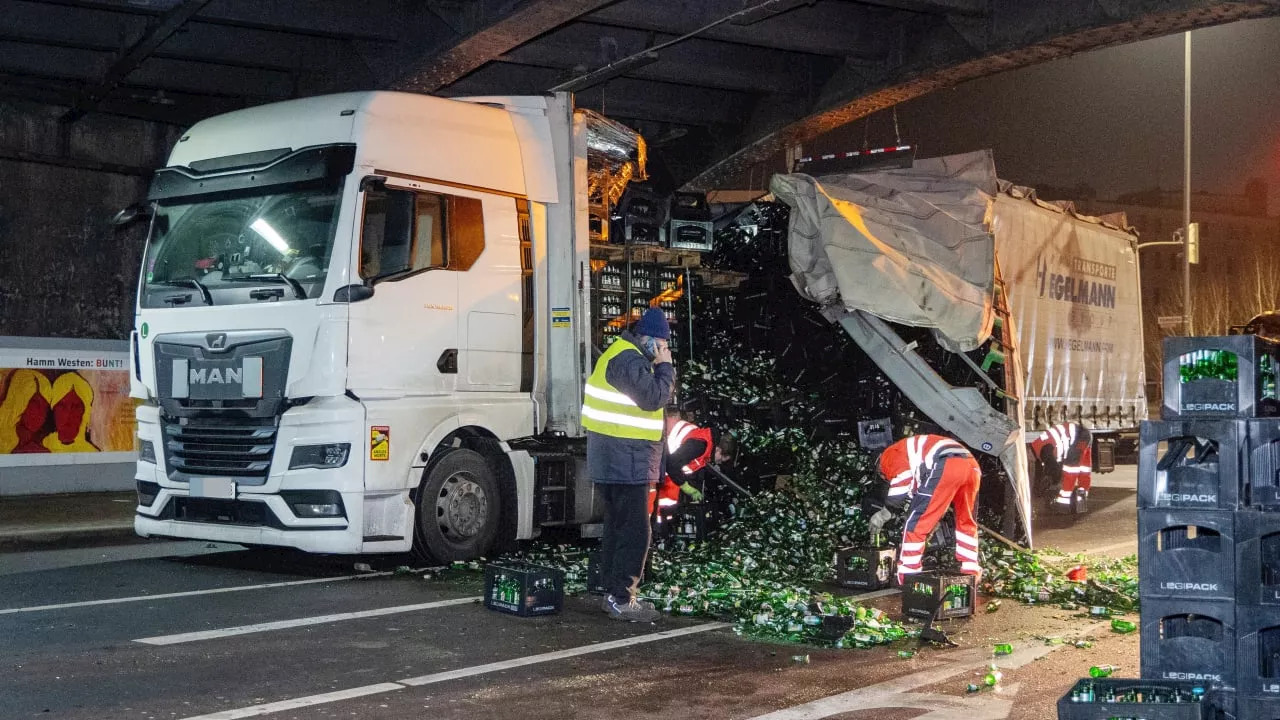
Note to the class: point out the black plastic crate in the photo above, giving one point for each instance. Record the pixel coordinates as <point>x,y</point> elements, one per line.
<point>1194,464</point>
<point>1159,700</point>
<point>1254,708</point>
<point>1232,376</point>
<point>691,235</point>
<point>1261,461</point>
<point>523,589</point>
<point>1187,554</point>
<point>865,568</point>
<point>938,594</point>
<point>1189,640</point>
<point>1258,651</point>
<point>1222,705</point>
<point>1258,558</point>
<point>875,434</point>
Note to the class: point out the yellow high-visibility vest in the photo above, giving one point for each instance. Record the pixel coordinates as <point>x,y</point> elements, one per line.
<point>609,412</point>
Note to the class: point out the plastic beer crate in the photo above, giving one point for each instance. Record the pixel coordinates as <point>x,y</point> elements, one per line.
<point>1158,700</point>
<point>1187,554</point>
<point>1222,705</point>
<point>1258,651</point>
<point>1189,640</point>
<point>938,594</point>
<point>865,568</point>
<point>1258,558</point>
<point>1194,464</point>
<point>1261,461</point>
<point>1254,708</point>
<point>523,589</point>
<point>1231,376</point>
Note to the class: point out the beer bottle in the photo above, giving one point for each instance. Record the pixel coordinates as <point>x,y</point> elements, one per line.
<point>1102,671</point>
<point>1122,626</point>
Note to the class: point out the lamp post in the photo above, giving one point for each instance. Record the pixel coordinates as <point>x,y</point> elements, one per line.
<point>1187,233</point>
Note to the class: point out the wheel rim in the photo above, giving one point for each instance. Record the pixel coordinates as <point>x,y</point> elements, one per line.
<point>462,507</point>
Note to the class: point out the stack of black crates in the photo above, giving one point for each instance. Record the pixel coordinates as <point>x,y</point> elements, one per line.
<point>1209,525</point>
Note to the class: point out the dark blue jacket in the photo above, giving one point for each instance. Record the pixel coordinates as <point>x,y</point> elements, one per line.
<point>619,460</point>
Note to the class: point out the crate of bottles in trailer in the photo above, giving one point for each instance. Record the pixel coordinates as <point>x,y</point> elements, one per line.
<point>523,589</point>
<point>865,568</point>
<point>1111,698</point>
<point>1220,377</point>
<point>938,595</point>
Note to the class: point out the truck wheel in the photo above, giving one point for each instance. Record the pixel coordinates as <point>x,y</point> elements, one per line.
<point>459,509</point>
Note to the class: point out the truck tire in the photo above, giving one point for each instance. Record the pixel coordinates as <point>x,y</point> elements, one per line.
<point>458,508</point>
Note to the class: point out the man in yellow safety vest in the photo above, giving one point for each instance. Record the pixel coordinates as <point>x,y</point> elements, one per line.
<point>622,414</point>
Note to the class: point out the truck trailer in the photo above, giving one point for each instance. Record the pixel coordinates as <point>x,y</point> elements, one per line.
<point>1076,302</point>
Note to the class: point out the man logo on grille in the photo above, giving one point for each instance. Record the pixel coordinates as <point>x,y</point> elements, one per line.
<point>216,341</point>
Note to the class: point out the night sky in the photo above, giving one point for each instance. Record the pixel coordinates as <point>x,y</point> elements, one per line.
<point>1113,118</point>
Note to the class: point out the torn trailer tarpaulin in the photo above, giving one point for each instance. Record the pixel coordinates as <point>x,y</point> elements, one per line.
<point>913,246</point>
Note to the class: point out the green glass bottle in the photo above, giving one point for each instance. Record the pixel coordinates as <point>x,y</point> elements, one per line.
<point>1122,626</point>
<point>1002,649</point>
<point>1102,671</point>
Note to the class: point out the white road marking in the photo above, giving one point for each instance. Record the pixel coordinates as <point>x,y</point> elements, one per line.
<point>895,693</point>
<point>339,695</point>
<point>557,655</point>
<point>190,593</point>
<point>295,703</point>
<point>300,622</point>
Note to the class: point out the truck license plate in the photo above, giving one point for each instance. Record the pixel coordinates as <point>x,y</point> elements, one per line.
<point>213,487</point>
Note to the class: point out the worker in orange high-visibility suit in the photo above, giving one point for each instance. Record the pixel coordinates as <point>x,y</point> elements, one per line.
<point>689,450</point>
<point>932,473</point>
<point>1066,450</point>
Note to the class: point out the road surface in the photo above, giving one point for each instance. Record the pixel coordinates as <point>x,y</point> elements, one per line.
<point>186,630</point>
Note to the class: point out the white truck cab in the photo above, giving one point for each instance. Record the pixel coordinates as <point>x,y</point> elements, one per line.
<point>362,326</point>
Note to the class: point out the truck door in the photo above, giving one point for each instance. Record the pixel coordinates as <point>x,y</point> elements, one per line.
<point>404,339</point>
<point>491,297</point>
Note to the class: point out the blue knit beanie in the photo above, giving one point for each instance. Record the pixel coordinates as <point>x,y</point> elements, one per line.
<point>654,324</point>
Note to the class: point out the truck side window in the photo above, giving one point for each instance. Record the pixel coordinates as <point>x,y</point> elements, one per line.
<point>403,232</point>
<point>466,232</point>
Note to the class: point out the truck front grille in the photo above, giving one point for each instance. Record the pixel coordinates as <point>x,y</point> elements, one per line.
<point>239,447</point>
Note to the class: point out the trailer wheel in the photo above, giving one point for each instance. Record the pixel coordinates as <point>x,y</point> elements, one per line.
<point>458,509</point>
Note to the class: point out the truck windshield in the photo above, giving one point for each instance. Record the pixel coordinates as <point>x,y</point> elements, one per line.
<point>246,247</point>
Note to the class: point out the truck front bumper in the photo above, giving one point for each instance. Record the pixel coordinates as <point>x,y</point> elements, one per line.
<point>251,519</point>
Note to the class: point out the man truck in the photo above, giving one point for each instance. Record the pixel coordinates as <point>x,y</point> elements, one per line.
<point>364,320</point>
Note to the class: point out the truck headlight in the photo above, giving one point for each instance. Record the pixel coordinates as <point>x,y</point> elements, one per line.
<point>331,455</point>
<point>314,503</point>
<point>147,451</point>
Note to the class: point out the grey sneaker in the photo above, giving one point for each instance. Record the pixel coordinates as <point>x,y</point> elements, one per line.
<point>607,602</point>
<point>633,611</point>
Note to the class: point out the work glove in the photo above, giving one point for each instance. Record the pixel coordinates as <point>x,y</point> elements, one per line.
<point>877,521</point>
<point>691,491</point>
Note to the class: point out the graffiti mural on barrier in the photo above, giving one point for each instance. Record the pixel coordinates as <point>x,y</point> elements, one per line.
<point>52,411</point>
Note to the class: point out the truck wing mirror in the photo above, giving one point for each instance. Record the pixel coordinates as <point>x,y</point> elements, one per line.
<point>131,214</point>
<point>352,293</point>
